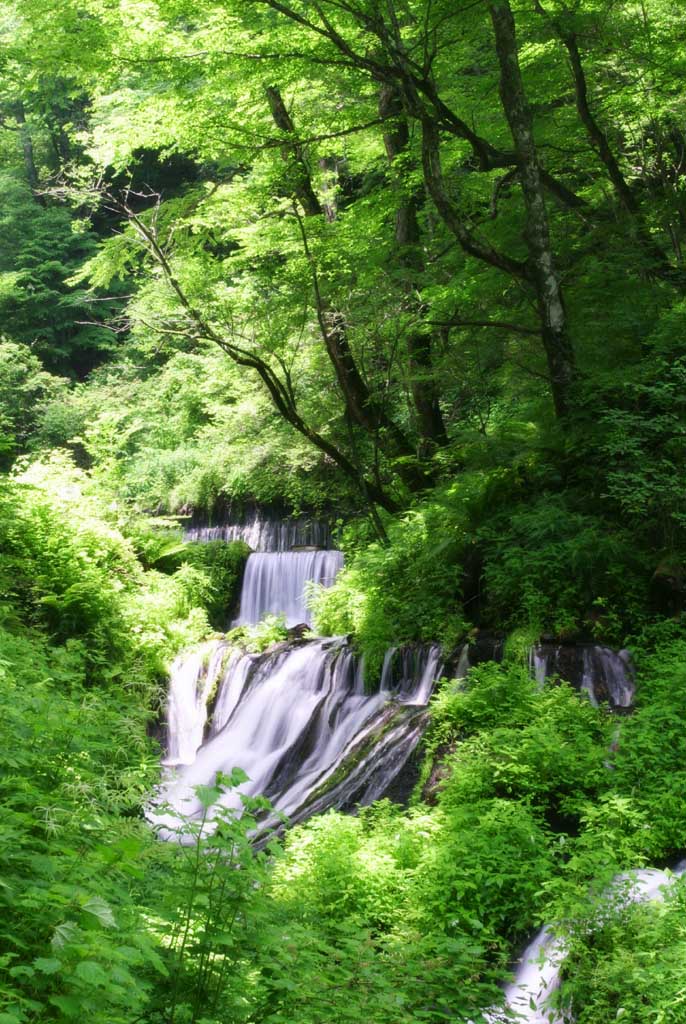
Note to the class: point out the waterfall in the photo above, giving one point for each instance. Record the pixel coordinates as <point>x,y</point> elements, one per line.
<point>266,534</point>
<point>604,674</point>
<point>298,721</point>
<point>192,680</point>
<point>275,583</point>
<point>538,975</point>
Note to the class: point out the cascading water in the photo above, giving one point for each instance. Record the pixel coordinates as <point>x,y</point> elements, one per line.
<point>604,674</point>
<point>297,720</point>
<point>275,584</point>
<point>192,679</point>
<point>267,534</point>
<point>539,974</point>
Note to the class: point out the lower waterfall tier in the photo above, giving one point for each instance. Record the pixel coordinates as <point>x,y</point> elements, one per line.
<point>538,976</point>
<point>297,721</point>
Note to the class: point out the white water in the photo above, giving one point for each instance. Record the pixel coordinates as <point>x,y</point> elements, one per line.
<point>602,673</point>
<point>192,679</point>
<point>538,975</point>
<point>290,719</point>
<point>267,534</point>
<point>275,584</point>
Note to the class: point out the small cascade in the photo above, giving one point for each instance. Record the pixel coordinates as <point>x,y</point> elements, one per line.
<point>536,979</point>
<point>193,677</point>
<point>262,533</point>
<point>606,675</point>
<point>411,671</point>
<point>297,720</point>
<point>275,584</point>
<point>539,973</point>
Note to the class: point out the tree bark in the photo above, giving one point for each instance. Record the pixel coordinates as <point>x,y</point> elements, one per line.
<point>27,149</point>
<point>363,407</point>
<point>542,271</point>
<point>408,237</point>
<point>293,155</point>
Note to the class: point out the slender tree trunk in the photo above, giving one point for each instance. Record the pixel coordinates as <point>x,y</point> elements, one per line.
<point>407,235</point>
<point>299,175</point>
<point>27,149</point>
<point>362,406</point>
<point>542,271</point>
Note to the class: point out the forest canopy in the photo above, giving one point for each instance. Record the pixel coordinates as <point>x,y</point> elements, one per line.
<point>416,268</point>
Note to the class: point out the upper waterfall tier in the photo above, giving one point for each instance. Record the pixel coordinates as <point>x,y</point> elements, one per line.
<point>275,584</point>
<point>265,534</point>
<point>297,720</point>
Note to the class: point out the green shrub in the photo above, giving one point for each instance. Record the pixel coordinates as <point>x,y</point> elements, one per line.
<point>224,564</point>
<point>408,590</point>
<point>631,968</point>
<point>552,568</point>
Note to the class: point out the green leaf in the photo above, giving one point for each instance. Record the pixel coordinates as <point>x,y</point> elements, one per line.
<point>69,1005</point>
<point>64,933</point>
<point>98,908</point>
<point>90,972</point>
<point>47,965</point>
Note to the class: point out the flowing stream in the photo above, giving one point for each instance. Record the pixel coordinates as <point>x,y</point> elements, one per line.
<point>539,974</point>
<point>299,722</point>
<point>296,719</point>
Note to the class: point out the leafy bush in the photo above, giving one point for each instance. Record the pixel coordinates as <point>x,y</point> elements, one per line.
<point>631,968</point>
<point>651,760</point>
<point>408,590</point>
<point>69,571</point>
<point>25,391</point>
<point>224,564</point>
<point>557,569</point>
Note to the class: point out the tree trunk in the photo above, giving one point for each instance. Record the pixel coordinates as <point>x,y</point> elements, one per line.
<point>542,272</point>
<point>27,149</point>
<point>407,234</point>
<point>362,406</point>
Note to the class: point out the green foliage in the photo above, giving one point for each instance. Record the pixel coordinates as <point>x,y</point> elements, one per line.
<point>356,915</point>
<point>511,740</point>
<point>650,759</point>
<point>226,299</point>
<point>190,432</point>
<point>41,247</point>
<point>75,766</point>
<point>224,564</point>
<point>269,631</point>
<point>644,442</point>
<point>69,571</point>
<point>406,590</point>
<point>26,391</point>
<point>631,966</point>
<point>209,916</point>
<point>558,569</point>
